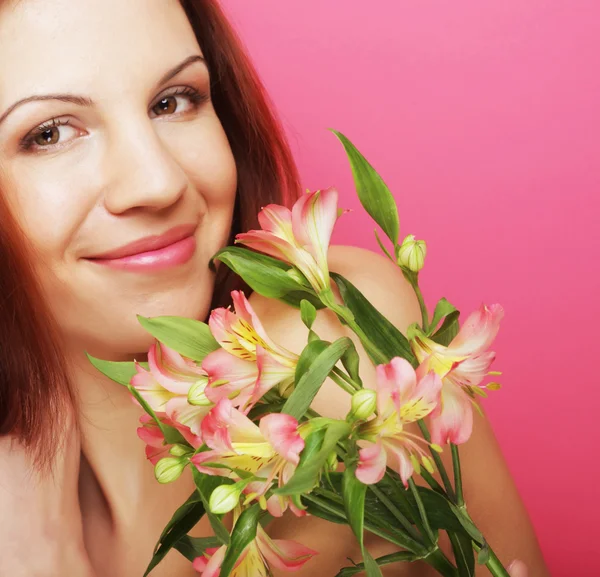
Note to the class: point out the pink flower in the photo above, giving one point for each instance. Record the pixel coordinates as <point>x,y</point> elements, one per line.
<point>462,367</point>
<point>258,558</point>
<point>156,448</point>
<point>299,237</point>
<point>170,384</point>
<point>249,362</point>
<point>270,451</point>
<point>403,396</point>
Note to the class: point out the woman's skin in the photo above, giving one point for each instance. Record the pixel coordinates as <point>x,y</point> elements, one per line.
<point>127,165</point>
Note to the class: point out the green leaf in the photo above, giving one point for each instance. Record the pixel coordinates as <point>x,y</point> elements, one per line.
<point>188,337</point>
<point>467,524</point>
<point>388,339</point>
<point>463,554</point>
<point>373,193</point>
<point>244,533</point>
<point>121,372</point>
<point>267,275</point>
<point>401,556</point>
<point>183,520</point>
<point>311,372</point>
<point>206,484</point>
<point>354,492</point>
<point>448,330</point>
<point>351,362</point>
<point>192,547</point>
<point>442,309</point>
<point>308,313</point>
<point>307,473</point>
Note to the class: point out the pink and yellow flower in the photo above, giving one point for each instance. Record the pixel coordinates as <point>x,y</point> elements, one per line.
<point>258,558</point>
<point>462,366</point>
<point>249,362</point>
<point>167,385</point>
<point>403,396</point>
<point>299,236</point>
<point>156,448</point>
<point>270,451</point>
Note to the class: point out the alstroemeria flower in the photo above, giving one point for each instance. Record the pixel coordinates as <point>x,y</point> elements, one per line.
<point>403,396</point>
<point>150,433</point>
<point>258,558</point>
<point>299,237</point>
<point>270,451</point>
<point>249,362</point>
<point>167,383</point>
<point>462,367</point>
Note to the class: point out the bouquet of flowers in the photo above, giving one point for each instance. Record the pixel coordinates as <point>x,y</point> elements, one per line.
<point>231,406</point>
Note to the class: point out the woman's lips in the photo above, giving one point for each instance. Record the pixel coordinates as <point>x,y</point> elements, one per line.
<point>169,256</point>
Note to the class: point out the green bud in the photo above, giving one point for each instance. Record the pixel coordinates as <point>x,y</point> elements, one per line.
<point>169,469</point>
<point>411,254</point>
<point>179,450</point>
<point>364,403</point>
<point>225,498</point>
<point>196,394</point>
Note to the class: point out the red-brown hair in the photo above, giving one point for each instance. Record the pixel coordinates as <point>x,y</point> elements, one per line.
<point>34,381</point>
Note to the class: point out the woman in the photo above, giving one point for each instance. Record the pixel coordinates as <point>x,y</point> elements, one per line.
<point>129,121</point>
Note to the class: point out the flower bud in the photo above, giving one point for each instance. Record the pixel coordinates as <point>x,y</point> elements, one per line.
<point>364,403</point>
<point>169,469</point>
<point>412,253</point>
<point>179,450</point>
<point>225,498</point>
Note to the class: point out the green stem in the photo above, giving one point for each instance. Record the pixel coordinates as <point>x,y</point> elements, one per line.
<point>422,511</point>
<point>441,563</point>
<point>424,315</point>
<point>457,475</point>
<point>395,512</point>
<point>356,386</point>
<point>340,383</point>
<point>438,462</point>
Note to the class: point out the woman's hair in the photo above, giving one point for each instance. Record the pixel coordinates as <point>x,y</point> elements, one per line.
<point>34,379</point>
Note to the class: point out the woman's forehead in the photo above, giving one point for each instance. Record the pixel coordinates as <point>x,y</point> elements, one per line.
<point>101,46</point>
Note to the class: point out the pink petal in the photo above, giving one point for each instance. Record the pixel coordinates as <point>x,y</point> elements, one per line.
<point>473,370</point>
<point>220,323</point>
<point>313,218</point>
<point>452,420</point>
<point>180,411</point>
<point>398,459</point>
<point>478,332</point>
<point>228,375</point>
<point>213,567</point>
<point>163,361</point>
<point>396,381</point>
<point>215,429</point>
<point>270,373</point>
<point>269,244</point>
<point>277,220</point>
<point>150,389</point>
<point>371,464</point>
<point>423,399</point>
<point>282,554</point>
<point>281,431</point>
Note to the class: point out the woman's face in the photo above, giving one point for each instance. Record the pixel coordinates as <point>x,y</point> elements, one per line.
<point>108,136</point>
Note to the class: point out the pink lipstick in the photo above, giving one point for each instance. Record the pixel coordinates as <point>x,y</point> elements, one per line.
<point>152,253</point>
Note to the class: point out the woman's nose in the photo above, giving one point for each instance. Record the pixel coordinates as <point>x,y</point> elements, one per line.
<point>145,172</point>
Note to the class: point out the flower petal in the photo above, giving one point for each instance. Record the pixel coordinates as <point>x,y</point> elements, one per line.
<point>228,375</point>
<point>281,431</point>
<point>150,389</point>
<point>398,459</point>
<point>452,420</point>
<point>213,567</point>
<point>423,399</point>
<point>478,331</point>
<point>396,382</point>
<point>180,411</point>
<point>282,554</point>
<point>473,370</point>
<point>371,464</point>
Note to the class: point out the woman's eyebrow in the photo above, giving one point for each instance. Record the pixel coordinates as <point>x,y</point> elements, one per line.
<point>85,101</point>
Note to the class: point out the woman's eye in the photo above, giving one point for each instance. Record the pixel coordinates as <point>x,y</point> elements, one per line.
<point>185,101</point>
<point>49,135</point>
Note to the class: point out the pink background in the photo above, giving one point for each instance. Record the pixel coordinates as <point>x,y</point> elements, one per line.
<point>483,118</point>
